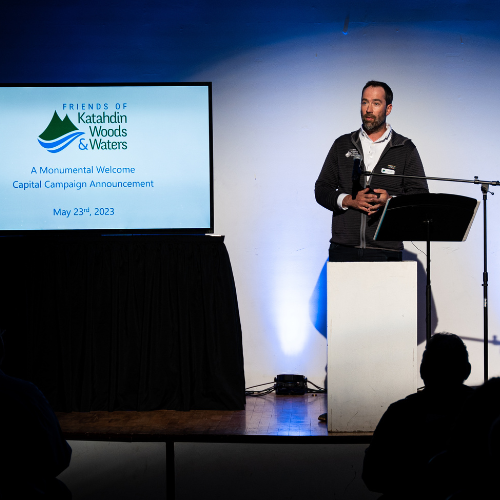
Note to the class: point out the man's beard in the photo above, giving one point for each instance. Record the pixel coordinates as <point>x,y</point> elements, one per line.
<point>374,125</point>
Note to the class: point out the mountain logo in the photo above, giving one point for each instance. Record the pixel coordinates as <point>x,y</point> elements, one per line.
<point>59,134</point>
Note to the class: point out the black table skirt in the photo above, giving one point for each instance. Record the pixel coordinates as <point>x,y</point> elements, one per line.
<point>123,323</point>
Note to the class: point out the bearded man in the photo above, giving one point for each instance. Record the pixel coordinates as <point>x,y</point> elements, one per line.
<point>357,206</point>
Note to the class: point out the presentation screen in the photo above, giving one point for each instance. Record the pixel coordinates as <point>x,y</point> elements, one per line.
<point>114,158</point>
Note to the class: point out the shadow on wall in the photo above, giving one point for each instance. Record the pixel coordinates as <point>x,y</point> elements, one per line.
<point>318,303</point>
<point>318,300</point>
<point>421,284</point>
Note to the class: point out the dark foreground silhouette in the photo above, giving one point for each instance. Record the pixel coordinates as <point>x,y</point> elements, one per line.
<point>468,467</point>
<point>417,428</point>
<point>32,451</point>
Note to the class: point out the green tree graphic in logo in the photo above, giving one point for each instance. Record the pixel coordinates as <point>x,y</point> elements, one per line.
<point>59,134</point>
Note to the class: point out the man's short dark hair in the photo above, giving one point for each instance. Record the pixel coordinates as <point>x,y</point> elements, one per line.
<point>388,92</point>
<point>445,360</point>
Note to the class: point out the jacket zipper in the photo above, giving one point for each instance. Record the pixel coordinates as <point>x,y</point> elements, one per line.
<point>364,217</point>
<point>362,229</point>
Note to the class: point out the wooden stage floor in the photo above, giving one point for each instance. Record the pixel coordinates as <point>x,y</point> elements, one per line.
<point>267,418</point>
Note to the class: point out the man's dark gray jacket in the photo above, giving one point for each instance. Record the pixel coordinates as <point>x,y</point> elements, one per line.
<point>352,227</point>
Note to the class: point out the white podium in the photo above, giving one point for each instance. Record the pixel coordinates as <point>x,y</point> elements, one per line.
<point>372,341</point>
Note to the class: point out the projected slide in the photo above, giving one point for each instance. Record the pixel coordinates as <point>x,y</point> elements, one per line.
<point>108,157</point>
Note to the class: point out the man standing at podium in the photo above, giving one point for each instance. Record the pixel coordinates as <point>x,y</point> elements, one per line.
<point>357,201</point>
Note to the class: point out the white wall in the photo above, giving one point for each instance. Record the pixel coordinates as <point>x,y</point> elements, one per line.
<point>286,83</point>
<point>277,110</point>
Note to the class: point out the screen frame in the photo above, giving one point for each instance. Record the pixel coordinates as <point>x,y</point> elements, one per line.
<point>117,231</point>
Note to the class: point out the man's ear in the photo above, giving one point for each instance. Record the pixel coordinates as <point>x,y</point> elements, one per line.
<point>388,110</point>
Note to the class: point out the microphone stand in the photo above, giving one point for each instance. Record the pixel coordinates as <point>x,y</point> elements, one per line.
<point>485,186</point>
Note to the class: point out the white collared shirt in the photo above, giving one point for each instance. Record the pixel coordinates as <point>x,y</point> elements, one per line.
<point>372,151</point>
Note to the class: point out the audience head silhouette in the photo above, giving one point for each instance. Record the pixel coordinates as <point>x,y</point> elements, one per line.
<point>445,361</point>
<point>414,430</point>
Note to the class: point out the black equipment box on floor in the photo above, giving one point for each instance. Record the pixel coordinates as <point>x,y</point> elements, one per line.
<point>286,385</point>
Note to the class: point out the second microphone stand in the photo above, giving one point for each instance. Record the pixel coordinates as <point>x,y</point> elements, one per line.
<point>485,189</point>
